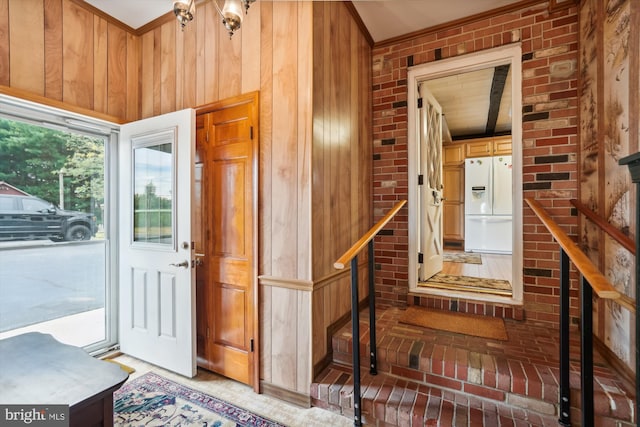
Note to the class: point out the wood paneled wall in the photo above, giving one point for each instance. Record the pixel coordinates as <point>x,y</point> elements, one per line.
<point>64,52</point>
<point>315,156</point>
<point>342,160</point>
<point>298,241</point>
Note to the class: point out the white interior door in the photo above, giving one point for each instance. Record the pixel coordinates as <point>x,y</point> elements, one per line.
<point>157,279</point>
<point>430,168</point>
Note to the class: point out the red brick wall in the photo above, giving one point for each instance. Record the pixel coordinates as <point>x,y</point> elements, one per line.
<point>549,144</point>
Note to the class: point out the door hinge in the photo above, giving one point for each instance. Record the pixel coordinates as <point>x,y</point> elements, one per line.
<point>420,179</point>
<point>419,102</point>
<point>208,335</point>
<point>251,132</point>
<point>251,345</point>
<point>420,258</point>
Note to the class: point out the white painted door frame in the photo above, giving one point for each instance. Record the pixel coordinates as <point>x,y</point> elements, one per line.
<point>509,54</point>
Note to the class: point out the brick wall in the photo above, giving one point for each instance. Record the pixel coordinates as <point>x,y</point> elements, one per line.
<point>549,91</point>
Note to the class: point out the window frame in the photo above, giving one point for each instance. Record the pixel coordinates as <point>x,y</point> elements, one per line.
<point>17,109</point>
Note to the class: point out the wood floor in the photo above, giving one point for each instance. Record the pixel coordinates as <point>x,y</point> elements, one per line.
<point>494,266</point>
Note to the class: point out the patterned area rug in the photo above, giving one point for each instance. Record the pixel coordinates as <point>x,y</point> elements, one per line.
<point>465,257</point>
<point>152,400</point>
<point>469,284</point>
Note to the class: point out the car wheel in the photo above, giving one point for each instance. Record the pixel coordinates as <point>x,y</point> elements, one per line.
<point>78,232</point>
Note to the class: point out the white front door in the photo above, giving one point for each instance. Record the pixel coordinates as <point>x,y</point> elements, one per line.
<point>430,198</point>
<point>157,280</point>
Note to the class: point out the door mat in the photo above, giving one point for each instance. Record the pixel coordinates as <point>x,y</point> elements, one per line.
<point>460,323</point>
<point>469,284</point>
<point>152,400</point>
<point>465,257</point>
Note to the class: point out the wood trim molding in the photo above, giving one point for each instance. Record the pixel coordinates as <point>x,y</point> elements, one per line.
<point>245,98</point>
<point>556,5</point>
<point>278,392</point>
<point>329,278</point>
<point>158,22</point>
<point>617,235</point>
<point>29,96</point>
<point>332,329</point>
<point>104,16</point>
<point>307,285</point>
<point>459,22</point>
<point>356,16</point>
<point>281,282</point>
<point>626,374</point>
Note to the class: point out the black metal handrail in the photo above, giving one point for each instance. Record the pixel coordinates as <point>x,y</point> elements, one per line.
<point>591,280</point>
<point>351,255</point>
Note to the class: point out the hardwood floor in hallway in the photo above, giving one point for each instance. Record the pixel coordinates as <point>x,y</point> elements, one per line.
<point>494,266</point>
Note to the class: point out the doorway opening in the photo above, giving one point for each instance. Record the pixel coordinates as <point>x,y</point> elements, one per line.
<point>499,243</point>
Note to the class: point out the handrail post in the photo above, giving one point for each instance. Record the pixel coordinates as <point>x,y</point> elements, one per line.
<point>373,350</point>
<point>586,351</point>
<point>355,340</point>
<point>565,387</point>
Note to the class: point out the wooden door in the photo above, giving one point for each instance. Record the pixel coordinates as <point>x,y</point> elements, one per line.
<point>228,330</point>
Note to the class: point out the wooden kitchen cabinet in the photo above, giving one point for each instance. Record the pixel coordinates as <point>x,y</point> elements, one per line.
<point>453,155</point>
<point>494,146</point>
<point>453,207</point>
<point>479,148</point>
<point>502,146</point>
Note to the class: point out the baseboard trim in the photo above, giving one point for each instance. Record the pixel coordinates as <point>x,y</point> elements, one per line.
<point>331,330</point>
<point>294,397</point>
<point>626,373</point>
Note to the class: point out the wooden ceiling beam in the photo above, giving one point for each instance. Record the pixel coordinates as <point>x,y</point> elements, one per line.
<point>495,98</point>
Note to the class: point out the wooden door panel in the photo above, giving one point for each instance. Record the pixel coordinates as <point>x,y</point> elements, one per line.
<point>231,328</point>
<point>230,362</point>
<point>229,216</point>
<point>232,132</point>
<point>230,270</point>
<point>230,204</point>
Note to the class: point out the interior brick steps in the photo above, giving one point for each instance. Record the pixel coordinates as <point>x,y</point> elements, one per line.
<point>516,380</point>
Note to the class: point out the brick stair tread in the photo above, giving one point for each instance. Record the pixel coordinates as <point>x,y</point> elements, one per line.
<point>522,374</point>
<point>398,402</point>
<point>388,400</point>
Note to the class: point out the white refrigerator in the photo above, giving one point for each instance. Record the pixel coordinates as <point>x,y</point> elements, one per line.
<point>487,204</point>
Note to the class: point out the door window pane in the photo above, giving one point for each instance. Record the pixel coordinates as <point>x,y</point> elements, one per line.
<point>153,219</point>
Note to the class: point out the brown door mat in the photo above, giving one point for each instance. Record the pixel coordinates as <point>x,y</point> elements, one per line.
<point>469,284</point>
<point>461,323</point>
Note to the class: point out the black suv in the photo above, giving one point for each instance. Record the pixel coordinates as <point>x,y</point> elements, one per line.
<point>28,217</point>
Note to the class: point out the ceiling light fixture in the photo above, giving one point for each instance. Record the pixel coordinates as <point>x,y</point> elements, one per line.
<point>231,12</point>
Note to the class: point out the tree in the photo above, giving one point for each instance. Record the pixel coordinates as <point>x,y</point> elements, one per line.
<point>32,157</point>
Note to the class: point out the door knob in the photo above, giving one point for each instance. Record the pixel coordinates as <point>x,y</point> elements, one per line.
<point>184,264</point>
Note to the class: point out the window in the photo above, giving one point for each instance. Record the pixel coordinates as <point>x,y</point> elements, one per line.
<point>56,239</point>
